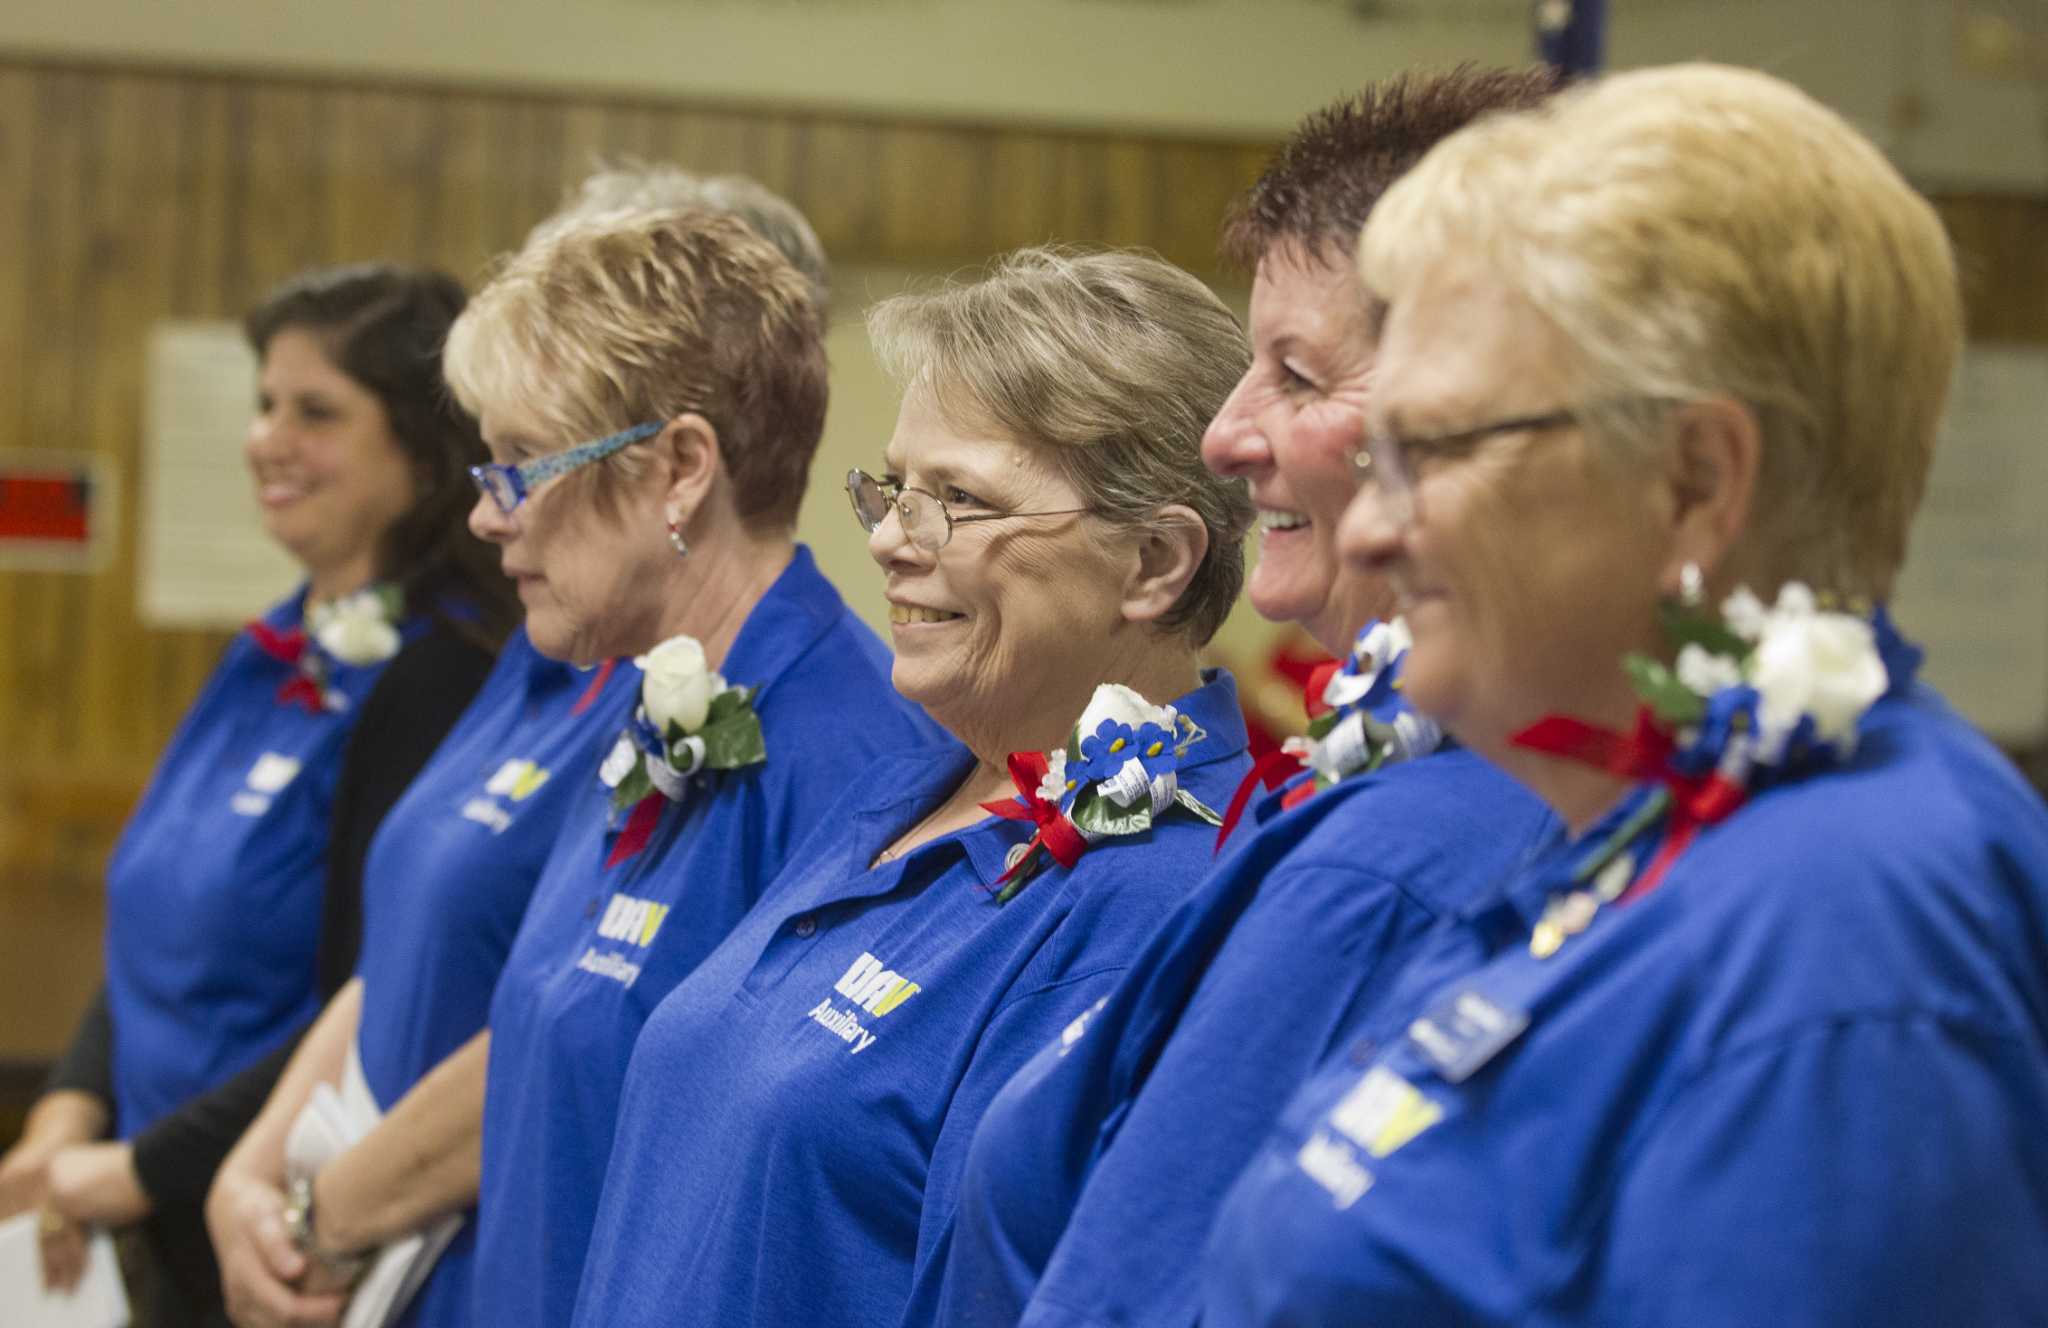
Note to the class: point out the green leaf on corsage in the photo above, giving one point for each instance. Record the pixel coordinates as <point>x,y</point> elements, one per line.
<point>1197,806</point>
<point>732,731</point>
<point>635,786</point>
<point>1100,815</point>
<point>1671,700</point>
<point>1684,627</point>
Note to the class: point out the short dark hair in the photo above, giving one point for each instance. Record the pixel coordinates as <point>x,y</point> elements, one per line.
<point>1321,183</point>
<point>382,324</point>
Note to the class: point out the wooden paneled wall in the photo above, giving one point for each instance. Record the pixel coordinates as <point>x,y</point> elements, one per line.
<point>129,196</point>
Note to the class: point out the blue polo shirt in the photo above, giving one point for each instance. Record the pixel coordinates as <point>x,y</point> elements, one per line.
<point>1801,1081</point>
<point>449,873</point>
<point>797,1111</point>
<point>215,890</point>
<point>1116,1145</point>
<point>600,947</point>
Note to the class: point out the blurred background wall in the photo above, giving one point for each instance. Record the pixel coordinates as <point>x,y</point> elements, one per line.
<point>171,159</point>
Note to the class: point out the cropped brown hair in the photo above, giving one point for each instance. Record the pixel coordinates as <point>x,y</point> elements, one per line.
<point>1114,362</point>
<point>1321,184</point>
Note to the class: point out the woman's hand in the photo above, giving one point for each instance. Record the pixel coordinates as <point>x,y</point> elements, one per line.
<point>61,1243</point>
<point>58,1121</point>
<point>96,1185</point>
<point>260,1270</point>
<point>86,1186</point>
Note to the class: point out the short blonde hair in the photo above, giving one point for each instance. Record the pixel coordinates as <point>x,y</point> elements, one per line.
<point>1114,361</point>
<point>1701,231</point>
<point>626,318</point>
<point>628,184</point>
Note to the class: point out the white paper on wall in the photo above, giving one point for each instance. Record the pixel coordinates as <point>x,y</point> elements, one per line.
<point>1975,587</point>
<point>205,561</point>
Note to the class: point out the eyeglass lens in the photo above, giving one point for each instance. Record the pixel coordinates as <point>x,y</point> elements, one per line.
<point>1396,487</point>
<point>925,522</point>
<point>870,504</point>
<point>497,486</point>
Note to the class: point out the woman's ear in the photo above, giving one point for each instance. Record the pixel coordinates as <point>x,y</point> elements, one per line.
<point>688,450</point>
<point>1712,477</point>
<point>1163,559</point>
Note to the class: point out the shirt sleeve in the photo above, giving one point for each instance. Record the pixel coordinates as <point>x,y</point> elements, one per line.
<point>1243,1042</point>
<point>176,1158</point>
<point>87,1065</point>
<point>414,703</point>
<point>1871,1172</point>
<point>1022,1027</point>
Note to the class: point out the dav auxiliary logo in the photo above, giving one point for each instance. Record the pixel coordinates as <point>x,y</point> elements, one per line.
<point>872,988</point>
<point>265,780</point>
<point>633,921</point>
<point>515,782</point>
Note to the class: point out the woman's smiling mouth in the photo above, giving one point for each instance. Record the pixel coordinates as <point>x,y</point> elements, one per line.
<point>903,615</point>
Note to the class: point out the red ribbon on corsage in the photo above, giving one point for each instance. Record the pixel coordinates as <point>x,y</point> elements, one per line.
<point>1055,831</point>
<point>639,828</point>
<point>1696,800</point>
<point>596,688</point>
<point>1318,682</point>
<point>1271,770</point>
<point>288,648</point>
<point>1276,768</point>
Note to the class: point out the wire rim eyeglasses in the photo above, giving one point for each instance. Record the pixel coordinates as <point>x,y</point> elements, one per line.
<point>1389,462</point>
<point>927,522</point>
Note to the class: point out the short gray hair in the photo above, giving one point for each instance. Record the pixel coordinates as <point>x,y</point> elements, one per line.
<point>1698,231</point>
<point>628,185</point>
<point>1115,362</point>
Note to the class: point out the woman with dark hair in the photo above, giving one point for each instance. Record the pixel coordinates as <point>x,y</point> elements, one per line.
<point>232,897</point>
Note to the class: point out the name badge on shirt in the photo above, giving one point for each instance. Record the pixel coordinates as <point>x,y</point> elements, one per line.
<point>1464,1031</point>
<point>266,778</point>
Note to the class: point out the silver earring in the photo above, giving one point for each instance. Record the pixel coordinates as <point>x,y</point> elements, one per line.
<point>1692,585</point>
<point>675,539</point>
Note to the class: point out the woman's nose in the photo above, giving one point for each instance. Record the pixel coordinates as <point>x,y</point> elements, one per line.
<point>264,440</point>
<point>889,543</point>
<point>1372,530</point>
<point>1233,444</point>
<point>488,521</point>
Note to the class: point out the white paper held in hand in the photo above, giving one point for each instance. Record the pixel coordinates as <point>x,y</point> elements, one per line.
<point>99,1301</point>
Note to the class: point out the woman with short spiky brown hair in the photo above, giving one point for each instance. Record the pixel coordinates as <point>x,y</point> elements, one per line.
<point>1764,1037</point>
<point>1097,1167</point>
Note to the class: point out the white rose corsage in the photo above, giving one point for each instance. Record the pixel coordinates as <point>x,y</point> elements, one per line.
<point>689,719</point>
<point>1119,771</point>
<point>1758,694</point>
<point>356,630</point>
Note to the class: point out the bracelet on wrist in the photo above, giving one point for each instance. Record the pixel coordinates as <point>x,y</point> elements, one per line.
<point>299,1227</point>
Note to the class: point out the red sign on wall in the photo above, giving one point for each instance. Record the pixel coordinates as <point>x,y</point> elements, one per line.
<point>53,510</point>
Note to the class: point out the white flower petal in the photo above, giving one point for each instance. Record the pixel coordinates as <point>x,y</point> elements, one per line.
<point>678,686</point>
<point>1703,672</point>
<point>1114,701</point>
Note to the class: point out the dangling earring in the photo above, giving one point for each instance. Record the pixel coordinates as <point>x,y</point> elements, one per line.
<point>675,539</point>
<point>1692,586</point>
